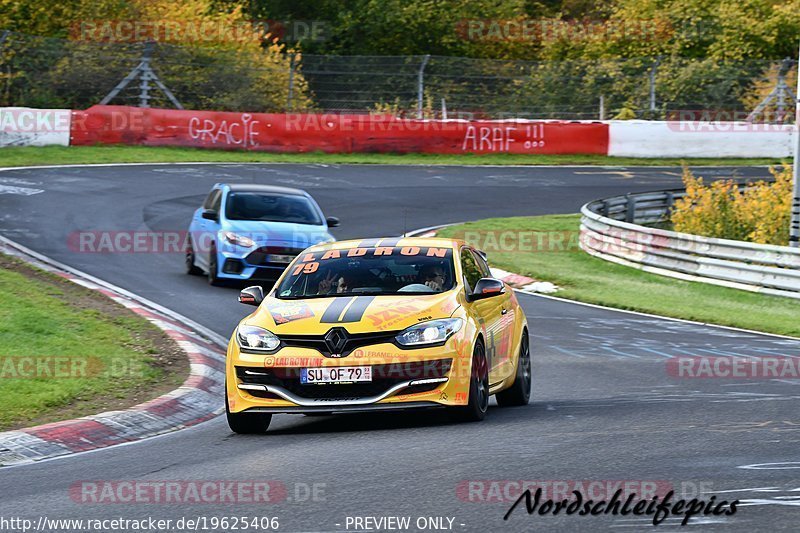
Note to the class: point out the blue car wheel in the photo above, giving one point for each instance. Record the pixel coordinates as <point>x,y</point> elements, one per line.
<point>213,267</point>
<point>191,268</point>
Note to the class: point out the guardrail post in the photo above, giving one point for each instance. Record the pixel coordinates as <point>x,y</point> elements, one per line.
<point>670,201</point>
<point>630,208</point>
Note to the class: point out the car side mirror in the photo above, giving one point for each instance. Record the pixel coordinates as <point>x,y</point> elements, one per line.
<point>210,214</point>
<point>332,222</point>
<point>252,296</point>
<point>486,288</point>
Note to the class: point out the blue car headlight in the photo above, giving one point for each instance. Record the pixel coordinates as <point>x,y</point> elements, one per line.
<point>430,332</point>
<point>238,240</point>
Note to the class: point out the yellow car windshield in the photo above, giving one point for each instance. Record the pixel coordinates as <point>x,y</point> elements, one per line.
<point>369,270</point>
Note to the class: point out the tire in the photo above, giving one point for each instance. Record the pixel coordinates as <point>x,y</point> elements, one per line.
<point>247,423</point>
<point>520,392</point>
<point>191,269</point>
<point>478,405</point>
<point>213,268</point>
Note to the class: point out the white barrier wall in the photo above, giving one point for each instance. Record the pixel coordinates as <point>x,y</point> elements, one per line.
<point>642,138</point>
<point>24,126</point>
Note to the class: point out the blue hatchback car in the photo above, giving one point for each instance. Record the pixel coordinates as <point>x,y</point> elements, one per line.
<point>252,232</point>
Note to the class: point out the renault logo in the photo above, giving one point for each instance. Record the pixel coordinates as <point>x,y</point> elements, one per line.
<point>335,341</point>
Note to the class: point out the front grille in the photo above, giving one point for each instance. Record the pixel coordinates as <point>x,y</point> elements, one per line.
<point>259,256</point>
<point>383,378</point>
<point>352,342</point>
<point>266,274</point>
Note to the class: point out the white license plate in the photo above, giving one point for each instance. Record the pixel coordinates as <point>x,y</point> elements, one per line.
<point>335,374</point>
<point>278,258</point>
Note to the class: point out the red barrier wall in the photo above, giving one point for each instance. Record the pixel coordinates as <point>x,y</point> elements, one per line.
<point>331,133</point>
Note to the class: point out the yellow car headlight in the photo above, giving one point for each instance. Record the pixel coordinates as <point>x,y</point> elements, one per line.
<point>253,338</point>
<point>430,332</point>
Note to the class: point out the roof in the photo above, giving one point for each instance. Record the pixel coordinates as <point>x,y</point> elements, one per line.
<point>435,242</point>
<point>256,187</point>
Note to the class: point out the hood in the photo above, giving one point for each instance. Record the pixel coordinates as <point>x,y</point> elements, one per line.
<point>285,234</point>
<point>357,314</point>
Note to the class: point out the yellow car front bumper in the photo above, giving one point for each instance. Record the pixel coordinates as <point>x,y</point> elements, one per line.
<point>401,378</point>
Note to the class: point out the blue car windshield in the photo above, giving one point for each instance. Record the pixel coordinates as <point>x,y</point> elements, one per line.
<point>369,271</point>
<point>271,207</point>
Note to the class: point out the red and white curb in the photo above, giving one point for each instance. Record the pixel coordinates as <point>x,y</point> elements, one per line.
<point>518,281</point>
<point>197,400</point>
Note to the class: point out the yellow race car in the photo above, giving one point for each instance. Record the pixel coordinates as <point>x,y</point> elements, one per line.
<point>378,324</point>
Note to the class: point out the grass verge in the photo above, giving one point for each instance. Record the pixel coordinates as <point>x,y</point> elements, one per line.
<point>589,279</point>
<point>65,155</point>
<point>66,351</point>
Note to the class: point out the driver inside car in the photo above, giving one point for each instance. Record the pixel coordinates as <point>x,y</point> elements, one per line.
<point>333,283</point>
<point>432,276</point>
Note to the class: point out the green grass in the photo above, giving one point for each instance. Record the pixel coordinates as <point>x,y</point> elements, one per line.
<point>111,351</point>
<point>589,279</point>
<point>61,155</point>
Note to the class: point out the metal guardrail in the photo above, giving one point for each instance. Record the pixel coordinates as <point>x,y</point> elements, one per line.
<point>613,229</point>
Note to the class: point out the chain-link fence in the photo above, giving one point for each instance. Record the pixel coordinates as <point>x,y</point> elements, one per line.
<point>45,72</point>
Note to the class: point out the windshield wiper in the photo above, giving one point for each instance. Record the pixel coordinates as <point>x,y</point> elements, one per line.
<point>341,294</point>
<point>306,296</point>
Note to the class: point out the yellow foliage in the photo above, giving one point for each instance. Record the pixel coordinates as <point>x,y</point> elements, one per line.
<point>757,213</point>
<point>407,109</point>
<point>210,55</point>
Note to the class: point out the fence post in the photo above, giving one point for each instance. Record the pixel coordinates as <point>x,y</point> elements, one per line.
<point>145,71</point>
<point>144,80</point>
<point>783,89</point>
<point>421,84</point>
<point>6,92</point>
<point>292,64</point>
<point>653,71</point>
<point>602,107</point>
<point>794,222</point>
<point>780,91</point>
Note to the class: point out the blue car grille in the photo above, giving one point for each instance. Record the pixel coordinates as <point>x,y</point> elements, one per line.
<point>259,256</point>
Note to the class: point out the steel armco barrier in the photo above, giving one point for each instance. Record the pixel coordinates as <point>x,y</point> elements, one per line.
<point>613,229</point>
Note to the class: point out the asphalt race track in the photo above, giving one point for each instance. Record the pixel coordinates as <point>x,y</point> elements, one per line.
<point>604,407</point>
